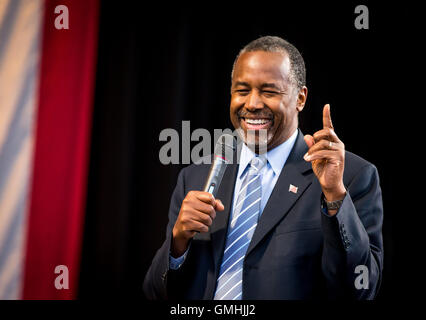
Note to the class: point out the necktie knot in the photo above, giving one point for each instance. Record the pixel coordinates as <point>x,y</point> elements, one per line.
<point>257,163</point>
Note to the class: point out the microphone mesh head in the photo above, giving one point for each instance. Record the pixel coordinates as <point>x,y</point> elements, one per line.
<point>225,147</point>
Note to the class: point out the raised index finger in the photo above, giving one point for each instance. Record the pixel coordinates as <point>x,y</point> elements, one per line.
<point>326,118</point>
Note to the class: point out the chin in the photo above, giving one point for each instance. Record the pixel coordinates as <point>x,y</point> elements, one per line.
<point>258,141</point>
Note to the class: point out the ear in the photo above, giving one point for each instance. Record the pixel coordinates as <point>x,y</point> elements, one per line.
<point>301,98</point>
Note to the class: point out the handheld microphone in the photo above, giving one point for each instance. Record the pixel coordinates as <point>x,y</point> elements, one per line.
<point>223,154</point>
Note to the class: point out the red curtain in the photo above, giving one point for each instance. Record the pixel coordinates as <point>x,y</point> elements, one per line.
<point>60,167</point>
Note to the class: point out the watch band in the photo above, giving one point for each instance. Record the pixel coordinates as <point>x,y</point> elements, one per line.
<point>333,205</point>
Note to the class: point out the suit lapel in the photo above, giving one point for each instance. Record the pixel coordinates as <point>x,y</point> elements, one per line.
<point>282,199</point>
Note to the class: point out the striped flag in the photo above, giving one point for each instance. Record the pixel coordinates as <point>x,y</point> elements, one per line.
<point>47,79</point>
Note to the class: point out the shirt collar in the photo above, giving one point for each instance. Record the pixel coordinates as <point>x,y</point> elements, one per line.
<point>276,157</point>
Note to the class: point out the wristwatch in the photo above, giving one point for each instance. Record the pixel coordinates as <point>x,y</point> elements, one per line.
<point>330,205</point>
<point>333,205</point>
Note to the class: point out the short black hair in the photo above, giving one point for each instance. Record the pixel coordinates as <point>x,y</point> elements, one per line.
<point>277,44</point>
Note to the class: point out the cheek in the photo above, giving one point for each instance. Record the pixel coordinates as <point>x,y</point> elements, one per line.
<point>237,101</point>
<point>279,113</point>
<point>282,116</point>
<point>235,104</point>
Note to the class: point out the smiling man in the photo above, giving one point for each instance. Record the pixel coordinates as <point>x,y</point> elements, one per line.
<point>299,220</point>
<point>264,97</point>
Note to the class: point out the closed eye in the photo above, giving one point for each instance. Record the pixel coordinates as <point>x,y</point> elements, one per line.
<point>270,93</point>
<point>242,91</point>
<point>266,91</point>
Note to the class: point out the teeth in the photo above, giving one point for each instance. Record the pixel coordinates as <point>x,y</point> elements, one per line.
<point>257,121</point>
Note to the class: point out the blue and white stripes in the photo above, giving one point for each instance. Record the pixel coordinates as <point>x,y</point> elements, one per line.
<point>241,229</point>
<point>20,33</point>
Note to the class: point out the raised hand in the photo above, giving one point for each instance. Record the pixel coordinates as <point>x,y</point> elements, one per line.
<point>327,156</point>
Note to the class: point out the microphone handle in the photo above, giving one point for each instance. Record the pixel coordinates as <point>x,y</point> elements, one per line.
<point>217,169</point>
<point>215,176</point>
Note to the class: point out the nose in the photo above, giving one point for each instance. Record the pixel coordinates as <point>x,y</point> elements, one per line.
<point>254,101</point>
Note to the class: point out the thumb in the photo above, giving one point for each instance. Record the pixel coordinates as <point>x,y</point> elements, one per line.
<point>309,140</point>
<point>219,205</point>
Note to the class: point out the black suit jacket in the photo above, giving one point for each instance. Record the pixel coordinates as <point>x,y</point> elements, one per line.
<point>297,252</point>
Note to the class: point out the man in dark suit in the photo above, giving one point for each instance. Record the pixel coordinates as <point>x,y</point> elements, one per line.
<point>302,221</point>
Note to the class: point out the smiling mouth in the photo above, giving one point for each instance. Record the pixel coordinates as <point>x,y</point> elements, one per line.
<point>256,123</point>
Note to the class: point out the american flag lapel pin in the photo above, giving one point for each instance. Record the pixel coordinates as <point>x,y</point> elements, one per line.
<point>292,189</point>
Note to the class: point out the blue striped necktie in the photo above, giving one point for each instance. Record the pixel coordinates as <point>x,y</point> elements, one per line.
<point>240,231</point>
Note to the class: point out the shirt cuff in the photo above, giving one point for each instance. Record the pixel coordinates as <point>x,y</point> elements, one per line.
<point>175,263</point>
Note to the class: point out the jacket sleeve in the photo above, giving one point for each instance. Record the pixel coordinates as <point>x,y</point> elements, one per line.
<point>156,280</point>
<point>352,258</point>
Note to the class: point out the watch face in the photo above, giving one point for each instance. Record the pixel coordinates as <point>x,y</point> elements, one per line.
<point>334,204</point>
<point>331,205</point>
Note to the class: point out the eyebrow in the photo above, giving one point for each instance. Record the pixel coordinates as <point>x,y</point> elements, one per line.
<point>263,86</point>
<point>270,85</point>
<point>241,83</point>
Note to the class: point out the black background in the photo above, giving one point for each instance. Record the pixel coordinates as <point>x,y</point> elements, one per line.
<point>162,64</point>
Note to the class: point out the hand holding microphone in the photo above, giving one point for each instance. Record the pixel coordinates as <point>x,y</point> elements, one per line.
<point>196,215</point>
<point>199,208</point>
